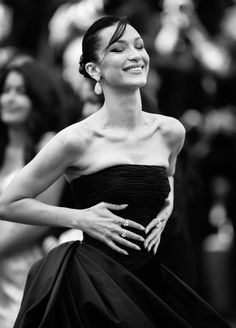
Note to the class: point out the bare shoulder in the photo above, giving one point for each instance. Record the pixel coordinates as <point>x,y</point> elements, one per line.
<point>74,138</point>
<point>172,129</point>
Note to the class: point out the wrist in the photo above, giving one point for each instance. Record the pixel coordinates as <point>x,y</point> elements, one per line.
<point>168,206</point>
<point>76,219</point>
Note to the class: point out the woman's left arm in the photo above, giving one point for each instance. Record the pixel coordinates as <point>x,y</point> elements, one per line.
<point>175,140</point>
<point>28,236</point>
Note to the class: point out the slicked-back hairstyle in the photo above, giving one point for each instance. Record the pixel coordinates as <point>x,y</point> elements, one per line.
<point>92,39</point>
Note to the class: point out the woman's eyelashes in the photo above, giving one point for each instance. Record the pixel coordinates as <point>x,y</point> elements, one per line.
<point>138,46</point>
<point>117,49</point>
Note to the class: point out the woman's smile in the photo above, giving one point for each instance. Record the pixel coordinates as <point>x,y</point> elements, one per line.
<point>124,59</point>
<point>134,69</point>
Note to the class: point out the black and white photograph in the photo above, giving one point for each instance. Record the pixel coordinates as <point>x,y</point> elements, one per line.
<point>117,163</point>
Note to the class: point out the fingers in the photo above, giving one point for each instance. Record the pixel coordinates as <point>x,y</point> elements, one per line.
<point>126,243</point>
<point>120,234</point>
<point>154,243</point>
<point>126,234</point>
<point>116,248</point>
<point>155,223</point>
<point>122,221</point>
<point>135,225</point>
<point>129,223</point>
<point>114,239</point>
<point>155,232</point>
<point>118,229</point>
<point>115,207</point>
<point>124,237</point>
<point>153,239</point>
<point>132,235</point>
<point>151,225</point>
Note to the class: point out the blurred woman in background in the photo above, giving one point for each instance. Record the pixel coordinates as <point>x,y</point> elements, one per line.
<point>27,121</point>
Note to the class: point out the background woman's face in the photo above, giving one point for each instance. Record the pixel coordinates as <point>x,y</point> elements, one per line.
<point>15,104</point>
<point>125,63</point>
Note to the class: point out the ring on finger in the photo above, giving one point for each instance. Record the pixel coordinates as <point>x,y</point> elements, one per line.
<point>124,234</point>
<point>125,223</point>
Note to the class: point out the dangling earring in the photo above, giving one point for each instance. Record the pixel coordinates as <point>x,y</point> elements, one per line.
<point>98,88</point>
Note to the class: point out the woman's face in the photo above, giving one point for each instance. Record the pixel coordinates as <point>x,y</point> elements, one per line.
<point>15,104</point>
<point>125,63</point>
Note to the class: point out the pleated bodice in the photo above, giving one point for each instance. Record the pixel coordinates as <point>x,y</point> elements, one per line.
<point>143,187</point>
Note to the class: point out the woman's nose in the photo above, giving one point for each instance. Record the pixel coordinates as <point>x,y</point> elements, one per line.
<point>134,54</point>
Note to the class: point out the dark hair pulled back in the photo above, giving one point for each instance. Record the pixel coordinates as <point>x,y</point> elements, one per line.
<point>91,40</point>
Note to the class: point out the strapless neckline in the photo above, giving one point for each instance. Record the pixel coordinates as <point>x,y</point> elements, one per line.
<point>117,167</point>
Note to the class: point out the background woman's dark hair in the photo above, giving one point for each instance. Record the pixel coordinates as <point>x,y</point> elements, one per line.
<point>40,89</point>
<point>92,39</point>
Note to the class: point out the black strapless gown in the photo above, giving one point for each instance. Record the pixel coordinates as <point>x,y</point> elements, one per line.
<point>87,284</point>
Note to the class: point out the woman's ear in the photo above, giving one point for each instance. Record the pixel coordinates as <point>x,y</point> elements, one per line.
<point>93,70</point>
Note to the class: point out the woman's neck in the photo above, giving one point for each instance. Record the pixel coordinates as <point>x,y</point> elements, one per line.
<point>17,136</point>
<point>122,110</point>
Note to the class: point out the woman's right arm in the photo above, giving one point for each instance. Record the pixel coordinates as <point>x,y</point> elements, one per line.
<point>19,204</point>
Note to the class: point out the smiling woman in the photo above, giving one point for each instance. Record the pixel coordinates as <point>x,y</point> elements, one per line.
<point>24,129</point>
<point>120,162</point>
<point>15,103</point>
<point>112,58</point>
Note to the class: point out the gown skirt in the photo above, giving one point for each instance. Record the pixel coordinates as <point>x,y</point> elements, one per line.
<point>86,284</point>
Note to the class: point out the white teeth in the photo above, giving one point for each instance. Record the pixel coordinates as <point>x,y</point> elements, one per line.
<point>134,69</point>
